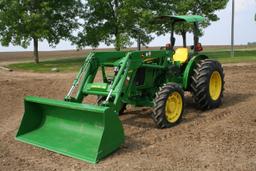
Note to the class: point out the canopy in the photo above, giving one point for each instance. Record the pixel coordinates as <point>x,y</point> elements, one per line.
<point>180,18</point>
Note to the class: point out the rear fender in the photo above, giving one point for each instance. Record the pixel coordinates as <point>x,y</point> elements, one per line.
<point>189,69</point>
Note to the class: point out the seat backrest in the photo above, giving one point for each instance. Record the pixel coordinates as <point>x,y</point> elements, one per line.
<point>181,55</point>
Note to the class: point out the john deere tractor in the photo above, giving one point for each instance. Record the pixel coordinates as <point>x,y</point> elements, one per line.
<point>154,79</point>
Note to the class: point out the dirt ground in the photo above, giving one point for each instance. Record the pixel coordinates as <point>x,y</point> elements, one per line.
<point>220,139</point>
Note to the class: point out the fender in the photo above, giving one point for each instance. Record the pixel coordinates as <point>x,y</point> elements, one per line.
<point>189,68</point>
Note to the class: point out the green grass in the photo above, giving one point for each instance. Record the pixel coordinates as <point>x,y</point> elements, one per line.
<point>73,64</point>
<point>63,65</point>
<point>240,56</point>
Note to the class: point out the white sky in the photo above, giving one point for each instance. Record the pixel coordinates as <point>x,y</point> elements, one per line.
<point>216,34</point>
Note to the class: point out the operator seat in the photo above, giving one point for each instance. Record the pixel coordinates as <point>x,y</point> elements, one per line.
<point>181,55</point>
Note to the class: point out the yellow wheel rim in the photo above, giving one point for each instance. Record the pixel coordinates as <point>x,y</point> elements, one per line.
<point>215,85</point>
<point>173,107</point>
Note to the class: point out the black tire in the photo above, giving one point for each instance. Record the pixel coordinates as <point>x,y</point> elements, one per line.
<point>200,83</point>
<point>101,99</point>
<point>159,110</point>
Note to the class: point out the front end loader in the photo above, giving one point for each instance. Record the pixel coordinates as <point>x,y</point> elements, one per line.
<point>154,79</point>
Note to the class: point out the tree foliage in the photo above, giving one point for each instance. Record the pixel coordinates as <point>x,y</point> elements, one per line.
<point>24,20</point>
<point>206,8</point>
<point>114,22</point>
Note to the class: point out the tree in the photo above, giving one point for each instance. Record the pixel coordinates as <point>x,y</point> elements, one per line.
<point>182,8</point>
<point>255,15</point>
<point>206,8</point>
<point>167,7</point>
<point>113,22</point>
<point>24,21</point>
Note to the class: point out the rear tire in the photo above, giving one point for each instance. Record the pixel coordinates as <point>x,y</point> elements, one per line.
<point>168,106</point>
<point>207,84</point>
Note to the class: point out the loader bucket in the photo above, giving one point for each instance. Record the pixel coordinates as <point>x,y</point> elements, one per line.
<point>82,131</point>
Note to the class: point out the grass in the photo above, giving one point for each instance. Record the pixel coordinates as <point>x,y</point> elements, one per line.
<point>240,56</point>
<point>73,64</point>
<point>63,65</point>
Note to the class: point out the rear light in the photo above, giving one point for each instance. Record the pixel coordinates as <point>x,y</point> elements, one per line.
<point>198,47</point>
<point>168,46</point>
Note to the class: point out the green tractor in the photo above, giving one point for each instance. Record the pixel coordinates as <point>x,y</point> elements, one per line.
<point>154,79</point>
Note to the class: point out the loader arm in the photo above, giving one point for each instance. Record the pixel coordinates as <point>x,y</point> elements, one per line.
<point>85,78</point>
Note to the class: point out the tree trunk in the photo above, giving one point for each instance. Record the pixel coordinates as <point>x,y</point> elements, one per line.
<point>117,33</point>
<point>196,35</point>
<point>138,43</point>
<point>118,42</point>
<point>36,55</point>
<point>184,38</point>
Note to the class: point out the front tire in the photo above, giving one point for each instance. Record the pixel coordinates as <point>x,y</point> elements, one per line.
<point>207,84</point>
<point>168,106</point>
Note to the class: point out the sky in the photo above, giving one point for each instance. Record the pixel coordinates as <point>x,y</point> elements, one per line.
<point>218,33</point>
